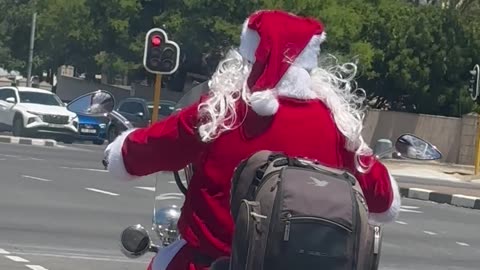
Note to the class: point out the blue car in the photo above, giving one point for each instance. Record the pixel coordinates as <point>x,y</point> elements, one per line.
<point>92,128</point>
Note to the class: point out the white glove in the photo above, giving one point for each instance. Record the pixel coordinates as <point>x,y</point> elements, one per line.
<point>106,155</point>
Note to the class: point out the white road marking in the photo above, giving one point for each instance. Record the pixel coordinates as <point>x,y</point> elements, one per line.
<point>36,178</point>
<point>30,158</point>
<point>409,207</point>
<point>410,211</point>
<point>84,257</point>
<point>36,267</point>
<point>173,182</point>
<point>3,159</point>
<point>85,169</point>
<point>430,233</point>
<point>16,258</point>
<point>102,191</point>
<point>3,155</point>
<point>169,196</point>
<point>463,244</point>
<point>3,251</point>
<point>147,188</point>
<point>401,222</point>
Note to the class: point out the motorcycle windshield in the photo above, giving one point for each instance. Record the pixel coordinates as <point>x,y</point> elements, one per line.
<point>192,96</point>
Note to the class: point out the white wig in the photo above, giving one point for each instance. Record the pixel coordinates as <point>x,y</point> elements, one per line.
<point>306,79</point>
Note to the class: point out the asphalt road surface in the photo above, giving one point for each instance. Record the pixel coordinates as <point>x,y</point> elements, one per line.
<point>60,210</point>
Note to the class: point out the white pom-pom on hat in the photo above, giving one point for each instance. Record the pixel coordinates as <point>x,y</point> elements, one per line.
<point>264,103</point>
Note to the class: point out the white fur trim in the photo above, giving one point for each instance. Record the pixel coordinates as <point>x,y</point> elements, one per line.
<point>264,103</point>
<point>116,166</point>
<point>249,41</point>
<point>165,255</point>
<point>392,213</point>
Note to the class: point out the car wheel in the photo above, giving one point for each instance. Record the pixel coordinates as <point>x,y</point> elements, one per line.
<point>68,141</point>
<point>17,128</point>
<point>112,134</point>
<point>98,142</point>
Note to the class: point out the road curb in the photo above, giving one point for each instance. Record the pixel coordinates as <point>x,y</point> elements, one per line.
<point>438,197</point>
<point>27,141</point>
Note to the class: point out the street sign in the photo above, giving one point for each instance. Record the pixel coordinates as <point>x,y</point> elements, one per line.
<point>161,55</point>
<point>474,82</point>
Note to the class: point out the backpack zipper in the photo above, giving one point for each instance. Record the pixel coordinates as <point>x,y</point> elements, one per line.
<point>289,218</point>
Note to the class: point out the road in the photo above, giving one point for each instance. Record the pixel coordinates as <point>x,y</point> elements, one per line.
<point>60,210</point>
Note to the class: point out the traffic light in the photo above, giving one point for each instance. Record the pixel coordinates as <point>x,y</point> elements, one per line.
<point>162,56</point>
<point>474,81</point>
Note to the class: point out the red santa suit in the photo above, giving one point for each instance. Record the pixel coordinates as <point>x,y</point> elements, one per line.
<point>281,113</point>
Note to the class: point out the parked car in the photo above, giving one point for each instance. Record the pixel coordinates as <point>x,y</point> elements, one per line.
<point>91,127</point>
<point>138,112</point>
<point>28,111</point>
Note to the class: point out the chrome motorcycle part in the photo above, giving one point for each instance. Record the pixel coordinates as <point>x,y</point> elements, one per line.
<point>135,241</point>
<point>165,224</point>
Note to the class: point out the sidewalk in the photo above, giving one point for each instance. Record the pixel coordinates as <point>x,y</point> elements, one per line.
<point>441,183</point>
<point>27,141</point>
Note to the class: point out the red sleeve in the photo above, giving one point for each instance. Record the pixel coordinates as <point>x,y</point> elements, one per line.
<point>379,187</point>
<point>167,145</point>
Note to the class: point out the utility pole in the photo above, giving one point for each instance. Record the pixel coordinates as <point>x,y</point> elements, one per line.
<point>474,90</point>
<point>30,55</point>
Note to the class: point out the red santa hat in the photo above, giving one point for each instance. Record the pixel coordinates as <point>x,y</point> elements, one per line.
<point>283,48</point>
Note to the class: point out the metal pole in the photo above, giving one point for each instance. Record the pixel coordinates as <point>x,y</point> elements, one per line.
<point>477,147</point>
<point>30,55</point>
<point>156,97</point>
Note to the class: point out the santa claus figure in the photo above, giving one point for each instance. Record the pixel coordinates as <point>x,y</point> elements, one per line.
<point>271,94</point>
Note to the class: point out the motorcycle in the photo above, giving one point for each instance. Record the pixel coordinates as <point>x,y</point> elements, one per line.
<point>136,240</point>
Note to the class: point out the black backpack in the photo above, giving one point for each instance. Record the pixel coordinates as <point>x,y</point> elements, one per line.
<point>294,214</point>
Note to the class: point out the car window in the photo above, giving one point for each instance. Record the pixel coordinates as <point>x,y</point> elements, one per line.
<point>6,93</point>
<point>39,98</point>
<point>163,109</point>
<point>131,107</point>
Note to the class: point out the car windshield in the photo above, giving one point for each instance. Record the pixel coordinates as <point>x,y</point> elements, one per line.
<point>163,109</point>
<point>39,98</point>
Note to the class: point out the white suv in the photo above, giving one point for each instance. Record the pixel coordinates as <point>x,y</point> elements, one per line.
<point>30,111</point>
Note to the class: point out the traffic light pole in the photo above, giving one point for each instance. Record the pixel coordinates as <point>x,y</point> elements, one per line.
<point>477,147</point>
<point>156,97</point>
<point>474,94</point>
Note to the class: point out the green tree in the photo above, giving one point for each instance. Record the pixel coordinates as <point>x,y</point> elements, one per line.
<point>66,35</point>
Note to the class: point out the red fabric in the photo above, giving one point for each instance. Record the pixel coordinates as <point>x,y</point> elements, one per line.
<point>283,36</point>
<point>183,260</point>
<point>300,128</point>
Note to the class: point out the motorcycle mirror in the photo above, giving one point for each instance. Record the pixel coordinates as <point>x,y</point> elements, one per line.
<point>99,102</point>
<point>135,241</point>
<point>165,224</point>
<point>413,147</point>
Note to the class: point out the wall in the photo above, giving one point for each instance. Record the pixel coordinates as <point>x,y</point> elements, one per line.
<point>70,87</point>
<point>454,137</point>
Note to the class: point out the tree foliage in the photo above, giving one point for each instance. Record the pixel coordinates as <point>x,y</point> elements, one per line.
<point>411,57</point>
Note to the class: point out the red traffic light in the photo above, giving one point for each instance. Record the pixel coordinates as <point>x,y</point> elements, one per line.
<point>156,40</point>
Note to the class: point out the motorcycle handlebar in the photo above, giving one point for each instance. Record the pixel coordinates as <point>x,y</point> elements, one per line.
<point>176,175</point>
<point>179,183</point>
